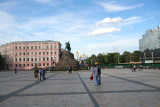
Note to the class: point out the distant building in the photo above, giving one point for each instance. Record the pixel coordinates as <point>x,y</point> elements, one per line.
<point>29,54</point>
<point>150,40</point>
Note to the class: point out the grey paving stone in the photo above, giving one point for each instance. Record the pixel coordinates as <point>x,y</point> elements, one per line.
<point>120,88</point>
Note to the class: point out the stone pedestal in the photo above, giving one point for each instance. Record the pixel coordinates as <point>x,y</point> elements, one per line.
<point>67,59</point>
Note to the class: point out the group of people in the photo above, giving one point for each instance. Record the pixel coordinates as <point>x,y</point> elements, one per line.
<point>96,73</point>
<point>42,73</point>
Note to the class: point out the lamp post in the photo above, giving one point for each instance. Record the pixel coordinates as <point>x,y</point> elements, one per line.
<point>152,55</point>
<point>144,57</point>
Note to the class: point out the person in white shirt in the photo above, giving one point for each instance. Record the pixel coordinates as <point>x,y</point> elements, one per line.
<point>95,73</point>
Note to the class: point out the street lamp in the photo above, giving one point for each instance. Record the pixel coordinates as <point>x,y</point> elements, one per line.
<point>152,55</point>
<point>144,56</point>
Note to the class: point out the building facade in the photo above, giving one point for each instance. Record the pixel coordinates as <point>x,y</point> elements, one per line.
<point>25,55</point>
<point>150,40</point>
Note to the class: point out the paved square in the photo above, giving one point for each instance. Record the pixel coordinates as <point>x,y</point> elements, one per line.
<point>120,88</point>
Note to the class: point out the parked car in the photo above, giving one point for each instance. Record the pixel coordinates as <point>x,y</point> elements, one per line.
<point>119,67</point>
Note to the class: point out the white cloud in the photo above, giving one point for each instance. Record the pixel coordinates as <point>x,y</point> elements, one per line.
<point>130,21</point>
<point>113,7</point>
<point>103,31</point>
<point>109,20</point>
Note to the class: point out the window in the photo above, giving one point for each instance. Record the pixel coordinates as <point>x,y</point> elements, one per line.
<point>32,64</point>
<point>19,59</point>
<point>39,47</point>
<point>51,52</point>
<point>20,53</point>
<point>23,47</point>
<point>23,59</point>
<point>35,53</point>
<point>39,59</point>
<point>43,64</point>
<point>19,65</point>
<point>43,53</point>
<point>15,59</point>
<point>16,47</point>
<point>47,47</point>
<point>47,53</point>
<point>28,65</point>
<point>35,47</point>
<point>16,65</point>
<point>55,53</point>
<point>55,46</point>
<point>51,58</point>
<point>47,64</point>
<point>35,59</point>
<point>24,53</point>
<point>31,53</point>
<point>27,53</point>
<point>43,46</point>
<point>24,65</point>
<point>27,59</point>
<point>31,47</point>
<point>31,59</point>
<point>27,47</point>
<point>47,58</point>
<point>51,47</point>
<point>39,53</point>
<point>39,64</point>
<point>43,58</point>
<point>19,47</point>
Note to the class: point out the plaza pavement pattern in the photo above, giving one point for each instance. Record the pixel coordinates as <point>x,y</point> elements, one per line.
<point>120,88</point>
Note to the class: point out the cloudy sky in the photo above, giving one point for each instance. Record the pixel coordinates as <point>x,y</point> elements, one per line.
<point>91,26</point>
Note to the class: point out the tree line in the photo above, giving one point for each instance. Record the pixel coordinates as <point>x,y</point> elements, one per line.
<point>114,58</point>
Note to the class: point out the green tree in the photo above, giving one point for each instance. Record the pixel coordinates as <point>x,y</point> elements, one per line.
<point>106,59</point>
<point>136,56</point>
<point>88,61</point>
<point>125,57</point>
<point>100,59</point>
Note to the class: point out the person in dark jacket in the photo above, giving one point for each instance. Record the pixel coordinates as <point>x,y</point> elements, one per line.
<point>36,73</point>
<point>41,73</point>
<point>70,69</point>
<point>99,75</point>
<point>44,72</point>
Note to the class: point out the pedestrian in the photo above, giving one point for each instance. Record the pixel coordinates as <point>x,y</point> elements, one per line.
<point>44,72</point>
<point>99,75</point>
<point>16,70</point>
<point>95,73</point>
<point>70,69</point>
<point>41,73</point>
<point>36,73</point>
<point>134,68</point>
<point>88,68</point>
